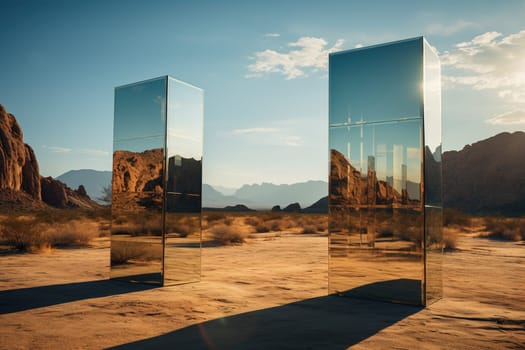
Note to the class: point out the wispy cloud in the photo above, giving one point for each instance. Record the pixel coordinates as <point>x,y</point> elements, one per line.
<point>269,136</point>
<point>291,140</point>
<point>490,61</point>
<point>272,35</point>
<point>513,117</point>
<point>88,151</point>
<point>56,149</point>
<point>306,55</point>
<point>446,29</point>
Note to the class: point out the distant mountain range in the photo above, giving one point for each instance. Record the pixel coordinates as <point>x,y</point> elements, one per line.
<point>267,195</point>
<point>487,176</point>
<point>263,196</point>
<point>93,180</point>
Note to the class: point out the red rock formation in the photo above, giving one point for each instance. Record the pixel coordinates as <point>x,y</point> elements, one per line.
<point>348,187</point>
<point>345,181</point>
<point>138,172</point>
<point>20,181</point>
<point>18,164</point>
<point>53,192</point>
<point>58,195</point>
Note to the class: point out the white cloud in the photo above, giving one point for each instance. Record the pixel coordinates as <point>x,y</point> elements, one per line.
<point>358,46</point>
<point>55,149</point>
<point>307,53</point>
<point>89,151</point>
<point>272,35</point>
<point>490,61</point>
<point>291,140</point>
<point>513,117</point>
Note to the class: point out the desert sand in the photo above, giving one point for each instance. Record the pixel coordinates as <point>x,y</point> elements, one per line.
<point>269,293</point>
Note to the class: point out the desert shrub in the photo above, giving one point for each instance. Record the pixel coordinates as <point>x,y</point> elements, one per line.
<point>271,226</point>
<point>211,217</point>
<point>277,225</point>
<point>72,233</point>
<point>269,215</point>
<point>21,232</point>
<point>309,229</point>
<point>319,221</point>
<point>509,229</point>
<point>29,233</point>
<point>124,252</point>
<point>454,217</point>
<point>104,229</point>
<point>450,238</point>
<point>227,234</point>
<point>183,229</point>
<point>119,220</point>
<point>139,225</point>
<point>103,213</point>
<point>183,224</point>
<point>262,227</point>
<point>311,223</point>
<point>252,221</point>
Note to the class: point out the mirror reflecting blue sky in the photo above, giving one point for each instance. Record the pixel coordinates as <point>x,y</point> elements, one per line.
<point>140,110</point>
<point>376,84</point>
<point>185,120</point>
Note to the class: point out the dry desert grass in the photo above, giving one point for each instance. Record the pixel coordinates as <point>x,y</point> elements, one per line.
<point>267,293</point>
<point>265,222</point>
<point>43,230</point>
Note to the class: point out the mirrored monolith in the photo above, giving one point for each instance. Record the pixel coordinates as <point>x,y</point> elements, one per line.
<point>156,183</point>
<point>385,210</point>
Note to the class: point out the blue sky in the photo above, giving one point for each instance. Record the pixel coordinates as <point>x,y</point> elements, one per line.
<point>262,64</point>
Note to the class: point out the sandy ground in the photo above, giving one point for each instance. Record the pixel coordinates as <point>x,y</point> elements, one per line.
<point>269,293</point>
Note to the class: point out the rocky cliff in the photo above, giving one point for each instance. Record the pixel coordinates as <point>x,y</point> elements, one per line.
<point>138,181</point>
<point>20,180</point>
<point>143,172</point>
<point>487,176</point>
<point>138,171</point>
<point>18,165</point>
<point>348,187</point>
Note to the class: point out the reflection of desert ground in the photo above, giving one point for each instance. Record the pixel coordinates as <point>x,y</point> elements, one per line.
<point>250,297</point>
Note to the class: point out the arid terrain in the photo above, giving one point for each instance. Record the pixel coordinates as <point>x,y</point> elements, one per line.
<point>267,293</point>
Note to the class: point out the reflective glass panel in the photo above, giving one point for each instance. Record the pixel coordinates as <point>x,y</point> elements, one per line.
<point>433,176</point>
<point>138,165</point>
<point>185,120</point>
<point>140,110</point>
<point>376,221</point>
<point>385,172</point>
<point>182,257</point>
<point>136,237</point>
<point>138,181</point>
<point>182,262</point>
<point>378,83</point>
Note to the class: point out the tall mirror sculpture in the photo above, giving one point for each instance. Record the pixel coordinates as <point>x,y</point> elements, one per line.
<point>385,209</point>
<point>157,180</point>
